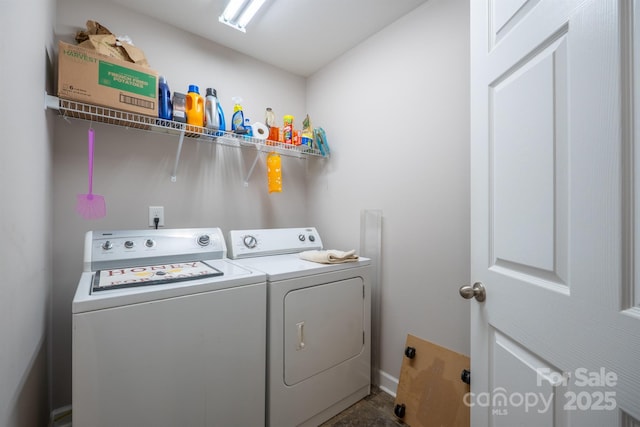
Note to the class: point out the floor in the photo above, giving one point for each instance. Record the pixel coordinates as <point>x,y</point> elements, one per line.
<point>375,410</point>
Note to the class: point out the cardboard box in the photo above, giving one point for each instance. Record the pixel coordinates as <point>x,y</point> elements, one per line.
<point>87,76</point>
<point>431,392</point>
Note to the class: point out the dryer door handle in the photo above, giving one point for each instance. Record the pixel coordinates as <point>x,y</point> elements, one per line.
<point>300,327</point>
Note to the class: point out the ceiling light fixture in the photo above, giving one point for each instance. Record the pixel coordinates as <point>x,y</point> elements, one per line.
<point>238,13</point>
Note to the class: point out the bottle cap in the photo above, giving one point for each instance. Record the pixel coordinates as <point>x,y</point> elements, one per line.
<point>212,92</point>
<point>162,80</point>
<point>194,88</point>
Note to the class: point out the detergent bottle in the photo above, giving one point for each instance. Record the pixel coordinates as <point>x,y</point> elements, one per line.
<point>247,126</point>
<point>195,107</point>
<point>223,125</point>
<point>237,120</point>
<point>212,120</point>
<point>164,100</point>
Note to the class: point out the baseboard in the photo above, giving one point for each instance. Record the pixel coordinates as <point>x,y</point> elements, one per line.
<point>387,383</point>
<point>61,417</point>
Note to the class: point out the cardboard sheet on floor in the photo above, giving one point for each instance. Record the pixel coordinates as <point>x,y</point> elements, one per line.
<point>431,388</point>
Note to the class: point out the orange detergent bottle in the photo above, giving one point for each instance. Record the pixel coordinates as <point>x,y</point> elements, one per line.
<point>195,108</point>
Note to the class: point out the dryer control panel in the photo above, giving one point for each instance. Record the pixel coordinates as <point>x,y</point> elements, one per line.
<point>272,241</point>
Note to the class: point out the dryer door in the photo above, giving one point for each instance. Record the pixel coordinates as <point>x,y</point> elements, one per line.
<point>323,327</point>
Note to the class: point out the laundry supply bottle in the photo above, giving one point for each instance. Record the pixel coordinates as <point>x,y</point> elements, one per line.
<point>248,127</point>
<point>179,104</point>
<point>237,120</point>
<point>269,117</point>
<point>195,107</point>
<point>270,121</point>
<point>212,120</point>
<point>165,109</point>
<point>274,172</point>
<point>307,132</point>
<point>223,126</point>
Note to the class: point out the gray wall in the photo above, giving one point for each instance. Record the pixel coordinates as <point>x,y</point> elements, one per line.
<point>397,112</point>
<point>25,211</point>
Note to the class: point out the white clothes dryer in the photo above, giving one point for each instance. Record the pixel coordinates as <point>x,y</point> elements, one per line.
<point>318,328</point>
<point>167,332</point>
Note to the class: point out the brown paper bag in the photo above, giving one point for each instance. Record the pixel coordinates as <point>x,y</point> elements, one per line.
<point>98,38</point>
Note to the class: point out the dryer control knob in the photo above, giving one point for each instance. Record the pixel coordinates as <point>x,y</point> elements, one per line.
<point>129,244</point>
<point>312,238</point>
<point>149,243</point>
<point>107,245</point>
<point>301,237</point>
<point>250,241</point>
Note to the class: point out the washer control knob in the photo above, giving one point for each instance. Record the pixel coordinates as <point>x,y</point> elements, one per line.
<point>301,237</point>
<point>129,244</point>
<point>312,238</point>
<point>204,240</point>
<point>250,241</point>
<point>107,245</point>
<point>149,243</point>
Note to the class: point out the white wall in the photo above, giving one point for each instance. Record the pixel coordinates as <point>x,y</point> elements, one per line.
<point>132,168</point>
<point>25,212</point>
<point>397,115</point>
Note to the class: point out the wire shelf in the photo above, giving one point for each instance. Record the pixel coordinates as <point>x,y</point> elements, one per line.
<point>90,112</point>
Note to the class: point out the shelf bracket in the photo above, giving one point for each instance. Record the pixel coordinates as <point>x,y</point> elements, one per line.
<point>253,166</point>
<point>51,101</point>
<point>175,165</point>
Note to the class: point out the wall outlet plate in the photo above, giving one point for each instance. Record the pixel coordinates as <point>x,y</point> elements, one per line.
<point>156,212</point>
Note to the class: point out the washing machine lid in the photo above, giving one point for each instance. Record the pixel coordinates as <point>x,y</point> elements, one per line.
<point>289,266</point>
<point>150,275</point>
<point>231,276</point>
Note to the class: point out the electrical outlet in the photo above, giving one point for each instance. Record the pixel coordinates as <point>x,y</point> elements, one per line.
<point>156,212</point>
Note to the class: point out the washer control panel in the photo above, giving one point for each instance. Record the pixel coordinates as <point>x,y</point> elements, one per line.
<point>114,249</point>
<point>272,241</point>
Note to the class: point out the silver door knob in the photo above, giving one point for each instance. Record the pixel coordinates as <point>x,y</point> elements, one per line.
<point>477,290</point>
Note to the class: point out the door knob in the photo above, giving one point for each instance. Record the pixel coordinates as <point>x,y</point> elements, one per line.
<point>477,290</point>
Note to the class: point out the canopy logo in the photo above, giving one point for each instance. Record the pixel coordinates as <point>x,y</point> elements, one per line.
<point>582,390</point>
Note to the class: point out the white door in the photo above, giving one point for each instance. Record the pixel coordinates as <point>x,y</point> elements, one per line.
<point>555,206</point>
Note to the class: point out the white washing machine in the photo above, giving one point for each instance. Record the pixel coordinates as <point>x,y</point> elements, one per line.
<point>167,332</point>
<point>319,343</point>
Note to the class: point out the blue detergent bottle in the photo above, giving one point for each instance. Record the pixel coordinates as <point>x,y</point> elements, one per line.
<point>165,109</point>
<point>223,127</point>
